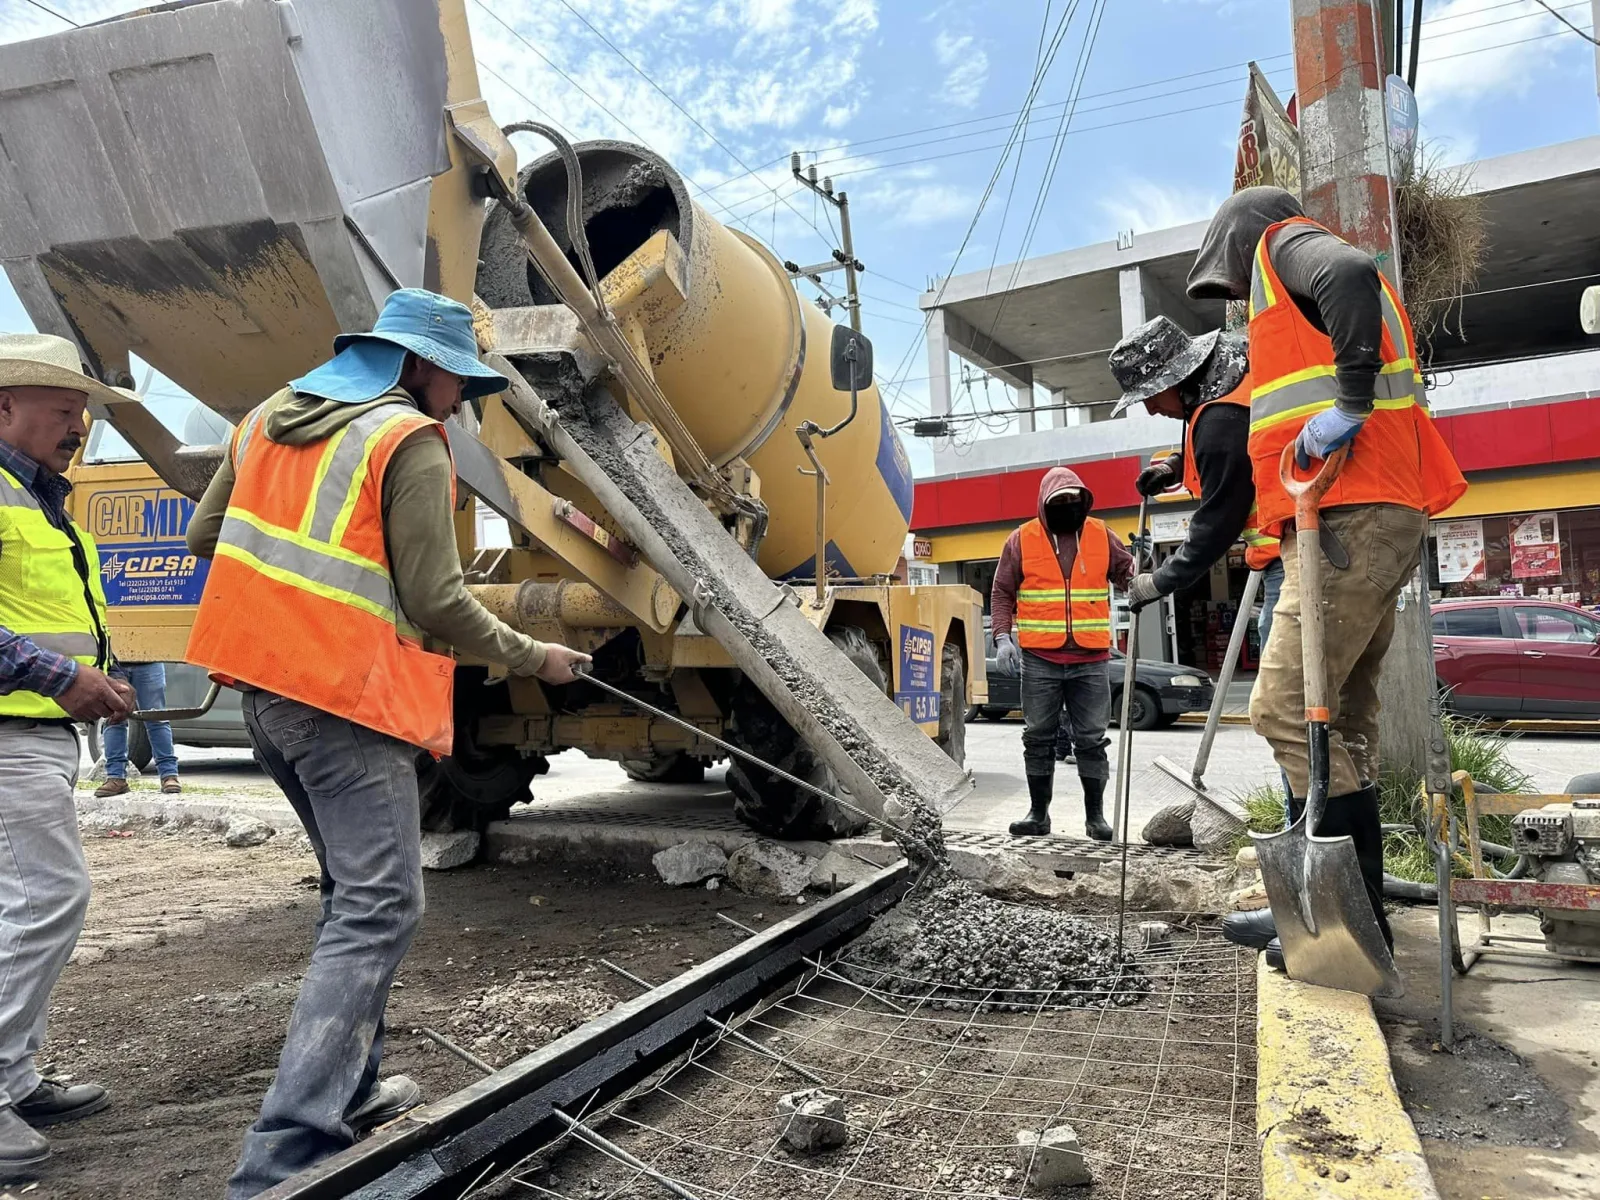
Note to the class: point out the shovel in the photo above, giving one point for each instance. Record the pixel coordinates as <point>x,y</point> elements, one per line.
<point>1330,937</point>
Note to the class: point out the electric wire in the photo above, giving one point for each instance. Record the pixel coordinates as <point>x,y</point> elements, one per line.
<point>45,8</point>
<point>1583,33</point>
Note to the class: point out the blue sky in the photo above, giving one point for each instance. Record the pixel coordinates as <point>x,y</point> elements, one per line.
<point>873,90</point>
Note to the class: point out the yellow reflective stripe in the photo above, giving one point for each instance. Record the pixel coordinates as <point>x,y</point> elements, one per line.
<point>1035,595</point>
<point>73,645</point>
<point>1254,537</point>
<point>329,450</point>
<point>292,579</point>
<point>14,495</point>
<point>358,478</point>
<point>1087,595</point>
<point>1105,624</point>
<point>306,543</point>
<point>1042,626</point>
<point>1277,418</point>
<point>246,432</point>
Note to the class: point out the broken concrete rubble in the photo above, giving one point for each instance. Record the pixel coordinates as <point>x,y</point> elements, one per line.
<point>1052,1158</point>
<point>1171,826</point>
<point>812,1120</point>
<point>242,831</point>
<point>689,862</point>
<point>763,868</point>
<point>445,851</point>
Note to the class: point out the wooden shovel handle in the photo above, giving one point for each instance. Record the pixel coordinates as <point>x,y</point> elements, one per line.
<point>1307,494</point>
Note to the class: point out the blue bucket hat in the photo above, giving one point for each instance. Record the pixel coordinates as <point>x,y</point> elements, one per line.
<point>366,365</point>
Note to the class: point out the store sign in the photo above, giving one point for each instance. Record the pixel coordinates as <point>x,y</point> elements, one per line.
<point>1535,545</point>
<point>922,548</point>
<point>1460,551</point>
<point>1169,526</point>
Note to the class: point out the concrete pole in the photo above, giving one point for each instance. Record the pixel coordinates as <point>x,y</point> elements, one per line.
<point>1594,24</point>
<point>1346,185</point>
<point>938,364</point>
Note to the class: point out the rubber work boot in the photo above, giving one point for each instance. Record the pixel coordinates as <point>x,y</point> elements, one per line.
<point>1037,822</point>
<point>1274,953</point>
<point>52,1103</point>
<point>1094,809</point>
<point>21,1146</point>
<point>1257,929</point>
<point>389,1099</point>
<point>1355,815</point>
<point>113,786</point>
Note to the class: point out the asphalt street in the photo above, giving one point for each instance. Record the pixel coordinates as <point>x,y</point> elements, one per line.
<point>1240,761</point>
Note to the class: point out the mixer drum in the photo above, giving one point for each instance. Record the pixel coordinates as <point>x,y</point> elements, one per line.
<point>742,360</point>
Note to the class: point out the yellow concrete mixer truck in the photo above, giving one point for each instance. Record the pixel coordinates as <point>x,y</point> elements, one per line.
<point>702,483</point>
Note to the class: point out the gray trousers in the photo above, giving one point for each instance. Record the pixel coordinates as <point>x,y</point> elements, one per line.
<point>1084,690</point>
<point>355,790</point>
<point>44,888</point>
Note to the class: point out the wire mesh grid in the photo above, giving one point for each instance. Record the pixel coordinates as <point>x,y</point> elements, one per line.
<point>1160,1091</point>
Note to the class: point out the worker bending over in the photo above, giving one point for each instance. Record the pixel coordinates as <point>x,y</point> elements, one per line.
<point>1051,618</point>
<point>1332,363</point>
<point>1205,383</point>
<point>54,659</point>
<point>334,554</point>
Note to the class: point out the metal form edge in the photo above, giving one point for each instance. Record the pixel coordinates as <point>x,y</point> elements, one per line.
<point>437,1149</point>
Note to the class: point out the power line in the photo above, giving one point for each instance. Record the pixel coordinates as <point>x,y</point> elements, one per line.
<point>1584,34</point>
<point>58,16</point>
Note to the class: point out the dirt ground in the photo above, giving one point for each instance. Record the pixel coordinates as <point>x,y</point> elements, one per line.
<point>180,993</point>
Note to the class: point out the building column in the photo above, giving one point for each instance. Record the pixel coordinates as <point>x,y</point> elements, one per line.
<point>938,364</point>
<point>1130,283</point>
<point>1058,397</point>
<point>1024,407</point>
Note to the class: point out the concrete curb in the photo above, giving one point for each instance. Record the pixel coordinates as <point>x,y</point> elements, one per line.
<point>1328,1115</point>
<point>169,811</point>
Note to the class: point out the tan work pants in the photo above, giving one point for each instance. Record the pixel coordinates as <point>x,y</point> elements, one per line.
<point>1384,542</point>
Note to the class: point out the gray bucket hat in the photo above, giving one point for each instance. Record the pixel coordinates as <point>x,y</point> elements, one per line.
<point>1156,356</point>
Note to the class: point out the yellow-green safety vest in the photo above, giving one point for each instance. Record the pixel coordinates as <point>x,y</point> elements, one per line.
<point>50,591</point>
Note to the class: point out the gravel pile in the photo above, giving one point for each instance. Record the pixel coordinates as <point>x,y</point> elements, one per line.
<point>978,950</point>
<point>507,1020</point>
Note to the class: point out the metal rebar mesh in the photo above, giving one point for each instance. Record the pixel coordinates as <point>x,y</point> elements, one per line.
<point>1161,1093</point>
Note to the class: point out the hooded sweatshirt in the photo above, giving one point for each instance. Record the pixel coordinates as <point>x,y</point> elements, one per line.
<point>1333,284</point>
<point>1008,574</point>
<point>418,528</point>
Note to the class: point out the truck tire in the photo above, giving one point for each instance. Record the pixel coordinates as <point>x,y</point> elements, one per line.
<point>953,703</point>
<point>680,767</point>
<point>775,806</point>
<point>475,784</point>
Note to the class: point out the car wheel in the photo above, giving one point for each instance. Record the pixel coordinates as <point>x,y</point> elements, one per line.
<point>952,693</point>
<point>1165,720</point>
<point>1144,713</point>
<point>973,711</point>
<point>139,752</point>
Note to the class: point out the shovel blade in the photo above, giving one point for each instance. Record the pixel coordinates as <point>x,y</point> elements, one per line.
<point>1330,937</point>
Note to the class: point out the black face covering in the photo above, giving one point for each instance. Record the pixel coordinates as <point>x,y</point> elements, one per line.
<point>1065,516</point>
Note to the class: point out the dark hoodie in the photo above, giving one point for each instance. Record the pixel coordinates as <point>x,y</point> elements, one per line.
<point>1008,574</point>
<point>418,529</point>
<point>1334,285</point>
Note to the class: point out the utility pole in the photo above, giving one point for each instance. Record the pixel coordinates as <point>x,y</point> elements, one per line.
<point>844,258</point>
<point>1340,48</point>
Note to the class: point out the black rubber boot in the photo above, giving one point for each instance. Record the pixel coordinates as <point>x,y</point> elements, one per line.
<point>1253,929</point>
<point>1094,809</point>
<point>1355,815</point>
<point>1037,822</point>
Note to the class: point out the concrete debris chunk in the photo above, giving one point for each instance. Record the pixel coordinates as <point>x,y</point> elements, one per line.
<point>1153,933</point>
<point>763,868</point>
<point>1053,1158</point>
<point>1171,826</point>
<point>812,1120</point>
<point>445,851</point>
<point>689,862</point>
<point>846,869</point>
<point>242,831</point>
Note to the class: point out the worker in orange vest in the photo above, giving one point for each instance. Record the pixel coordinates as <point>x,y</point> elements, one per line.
<point>1050,614</point>
<point>330,530</point>
<point>1205,383</point>
<point>1333,362</point>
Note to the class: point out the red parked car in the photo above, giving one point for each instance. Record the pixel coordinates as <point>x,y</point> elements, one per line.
<point>1507,657</point>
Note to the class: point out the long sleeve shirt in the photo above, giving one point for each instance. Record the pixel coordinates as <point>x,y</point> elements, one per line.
<point>1221,443</point>
<point>1008,578</point>
<point>24,666</point>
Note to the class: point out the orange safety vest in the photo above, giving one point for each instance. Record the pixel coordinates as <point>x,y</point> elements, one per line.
<point>1398,458</point>
<point>300,600</point>
<point>1047,613</point>
<point>1259,548</point>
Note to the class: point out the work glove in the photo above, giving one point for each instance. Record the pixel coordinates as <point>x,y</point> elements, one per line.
<point>1142,590</point>
<point>1325,433</point>
<point>1007,657</point>
<point>1158,477</point>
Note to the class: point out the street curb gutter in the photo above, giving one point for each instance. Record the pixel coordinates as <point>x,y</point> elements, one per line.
<point>1327,1113</point>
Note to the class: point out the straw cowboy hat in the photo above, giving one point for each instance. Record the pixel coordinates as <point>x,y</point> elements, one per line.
<point>44,360</point>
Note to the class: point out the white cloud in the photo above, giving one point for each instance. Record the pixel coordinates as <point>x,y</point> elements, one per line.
<point>916,201</point>
<point>1469,60</point>
<point>1143,205</point>
<point>966,67</point>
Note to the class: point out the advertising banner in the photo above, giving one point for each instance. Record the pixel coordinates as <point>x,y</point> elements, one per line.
<point>1269,144</point>
<point>1535,545</point>
<point>1460,551</point>
<point>143,559</point>
<point>918,693</point>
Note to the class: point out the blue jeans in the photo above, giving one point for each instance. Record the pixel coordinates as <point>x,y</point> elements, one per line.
<point>1271,585</point>
<point>355,790</point>
<point>1075,693</point>
<point>149,682</point>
